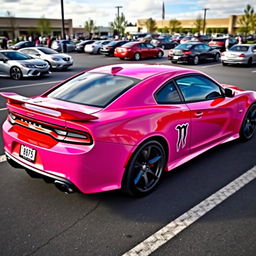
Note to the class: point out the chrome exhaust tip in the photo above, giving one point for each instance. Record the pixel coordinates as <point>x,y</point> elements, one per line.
<point>64,187</point>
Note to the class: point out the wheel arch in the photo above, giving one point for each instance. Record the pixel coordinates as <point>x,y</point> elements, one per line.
<point>157,138</point>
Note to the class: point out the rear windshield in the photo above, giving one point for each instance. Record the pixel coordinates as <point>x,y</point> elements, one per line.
<point>184,46</point>
<point>94,89</point>
<point>239,48</point>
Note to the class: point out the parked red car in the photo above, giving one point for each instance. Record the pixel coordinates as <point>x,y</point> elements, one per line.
<point>138,50</point>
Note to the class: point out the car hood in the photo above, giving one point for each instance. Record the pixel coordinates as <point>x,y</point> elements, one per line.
<point>29,61</point>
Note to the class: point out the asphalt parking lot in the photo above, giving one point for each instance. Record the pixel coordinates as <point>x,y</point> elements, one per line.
<point>37,219</point>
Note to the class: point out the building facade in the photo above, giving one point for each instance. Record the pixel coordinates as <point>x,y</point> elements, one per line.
<point>229,24</point>
<point>14,27</point>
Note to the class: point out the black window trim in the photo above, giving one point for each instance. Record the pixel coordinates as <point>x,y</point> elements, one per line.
<point>182,101</point>
<point>197,74</point>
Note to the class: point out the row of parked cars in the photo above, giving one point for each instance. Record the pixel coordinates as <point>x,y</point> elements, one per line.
<point>32,62</point>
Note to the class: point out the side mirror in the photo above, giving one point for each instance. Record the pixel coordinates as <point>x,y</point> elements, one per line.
<point>229,93</point>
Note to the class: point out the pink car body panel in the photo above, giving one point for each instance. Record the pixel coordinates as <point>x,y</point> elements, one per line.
<point>123,125</point>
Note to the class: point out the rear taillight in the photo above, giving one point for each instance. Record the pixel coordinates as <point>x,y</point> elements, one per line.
<point>187,52</point>
<point>241,55</point>
<point>220,43</point>
<point>56,132</point>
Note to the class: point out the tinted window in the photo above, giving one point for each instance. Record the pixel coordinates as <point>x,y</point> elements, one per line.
<point>198,88</point>
<point>184,46</point>
<point>168,94</point>
<point>93,89</point>
<point>16,56</point>
<point>47,51</point>
<point>239,48</point>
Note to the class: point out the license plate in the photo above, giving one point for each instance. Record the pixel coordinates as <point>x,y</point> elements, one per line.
<point>176,57</point>
<point>27,153</point>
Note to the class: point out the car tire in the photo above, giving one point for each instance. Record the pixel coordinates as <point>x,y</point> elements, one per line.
<point>15,73</point>
<point>49,64</point>
<point>174,62</point>
<point>217,57</point>
<point>121,58</point>
<point>160,55</point>
<point>196,60</point>
<point>144,169</point>
<point>248,127</point>
<point>137,56</point>
<point>249,63</point>
<point>224,64</point>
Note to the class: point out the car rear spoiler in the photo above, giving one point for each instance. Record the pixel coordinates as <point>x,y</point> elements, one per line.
<point>17,100</point>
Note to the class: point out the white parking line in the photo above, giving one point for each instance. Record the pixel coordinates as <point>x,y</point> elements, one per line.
<point>166,233</point>
<point>28,85</point>
<point>2,158</point>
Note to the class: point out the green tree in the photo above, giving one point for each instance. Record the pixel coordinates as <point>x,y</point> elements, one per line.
<point>89,26</point>
<point>44,26</point>
<point>248,21</point>
<point>151,25</point>
<point>119,24</point>
<point>198,24</point>
<point>174,25</point>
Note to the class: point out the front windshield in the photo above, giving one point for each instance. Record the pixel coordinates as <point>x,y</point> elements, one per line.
<point>16,56</point>
<point>48,51</point>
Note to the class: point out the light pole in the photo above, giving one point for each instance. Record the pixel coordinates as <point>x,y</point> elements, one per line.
<point>62,19</point>
<point>118,7</point>
<point>204,24</point>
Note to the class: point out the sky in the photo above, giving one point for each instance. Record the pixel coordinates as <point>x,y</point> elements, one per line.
<point>104,11</point>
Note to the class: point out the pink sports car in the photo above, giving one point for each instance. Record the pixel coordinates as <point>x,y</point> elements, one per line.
<point>122,126</point>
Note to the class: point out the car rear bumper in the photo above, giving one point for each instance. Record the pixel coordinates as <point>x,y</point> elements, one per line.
<point>234,60</point>
<point>89,168</point>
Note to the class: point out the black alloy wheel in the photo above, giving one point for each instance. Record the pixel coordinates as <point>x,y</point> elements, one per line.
<point>15,73</point>
<point>248,127</point>
<point>144,170</point>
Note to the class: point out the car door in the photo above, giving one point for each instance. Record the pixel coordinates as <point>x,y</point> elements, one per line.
<point>4,67</point>
<point>152,52</point>
<point>143,50</point>
<point>211,112</point>
<point>176,122</point>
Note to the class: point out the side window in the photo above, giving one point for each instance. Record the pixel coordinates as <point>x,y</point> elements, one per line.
<point>150,46</point>
<point>168,94</point>
<point>206,47</point>
<point>198,88</point>
<point>33,52</point>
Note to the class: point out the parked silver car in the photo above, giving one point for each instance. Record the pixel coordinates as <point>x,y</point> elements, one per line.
<point>63,46</point>
<point>55,60</point>
<point>240,54</point>
<point>94,48</point>
<point>17,65</point>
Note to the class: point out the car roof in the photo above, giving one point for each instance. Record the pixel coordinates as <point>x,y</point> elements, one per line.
<point>140,71</point>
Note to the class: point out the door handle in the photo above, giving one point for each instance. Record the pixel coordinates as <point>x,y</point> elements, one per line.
<point>199,114</point>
